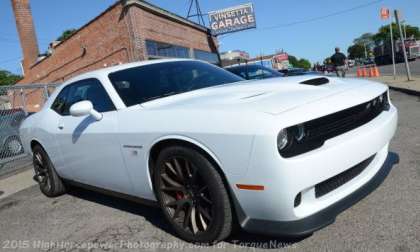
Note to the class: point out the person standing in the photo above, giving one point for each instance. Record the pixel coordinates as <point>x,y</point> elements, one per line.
<point>339,62</point>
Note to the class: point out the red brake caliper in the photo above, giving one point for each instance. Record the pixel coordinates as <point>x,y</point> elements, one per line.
<point>179,195</point>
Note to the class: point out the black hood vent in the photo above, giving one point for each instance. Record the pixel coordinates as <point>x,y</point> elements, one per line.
<point>316,81</point>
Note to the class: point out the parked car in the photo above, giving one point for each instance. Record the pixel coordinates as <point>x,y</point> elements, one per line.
<point>296,72</point>
<point>212,149</point>
<point>253,72</point>
<point>329,68</point>
<point>10,120</point>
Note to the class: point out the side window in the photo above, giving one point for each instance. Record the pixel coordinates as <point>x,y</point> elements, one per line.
<point>60,102</point>
<point>90,90</point>
<point>240,71</point>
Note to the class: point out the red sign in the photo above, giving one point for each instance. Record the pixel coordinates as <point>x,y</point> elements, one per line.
<point>384,13</point>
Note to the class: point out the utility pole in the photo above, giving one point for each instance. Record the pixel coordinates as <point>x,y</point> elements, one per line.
<point>392,49</point>
<point>364,44</point>
<point>385,15</point>
<point>407,66</point>
<point>404,29</point>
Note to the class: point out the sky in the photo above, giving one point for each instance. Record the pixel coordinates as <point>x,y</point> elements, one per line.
<point>304,28</point>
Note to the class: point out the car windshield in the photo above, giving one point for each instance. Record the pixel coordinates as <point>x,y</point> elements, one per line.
<point>145,83</point>
<point>253,72</point>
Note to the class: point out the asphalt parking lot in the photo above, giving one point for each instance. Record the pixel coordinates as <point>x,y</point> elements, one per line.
<point>386,220</point>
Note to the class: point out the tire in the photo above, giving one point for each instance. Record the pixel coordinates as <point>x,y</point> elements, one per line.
<point>13,146</point>
<point>192,195</point>
<point>49,182</point>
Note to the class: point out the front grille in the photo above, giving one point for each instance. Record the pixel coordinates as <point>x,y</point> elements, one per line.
<point>317,131</point>
<point>333,183</point>
<point>340,122</point>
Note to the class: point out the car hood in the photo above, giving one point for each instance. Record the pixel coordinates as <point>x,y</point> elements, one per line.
<point>273,96</point>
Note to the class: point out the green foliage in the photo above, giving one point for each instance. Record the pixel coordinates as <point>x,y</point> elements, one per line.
<point>7,78</point>
<point>370,40</point>
<point>384,33</point>
<point>293,60</point>
<point>356,51</point>
<point>327,61</point>
<point>66,34</point>
<point>304,63</point>
<point>301,63</point>
<point>365,39</point>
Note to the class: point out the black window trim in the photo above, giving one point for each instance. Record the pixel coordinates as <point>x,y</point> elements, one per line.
<point>77,82</point>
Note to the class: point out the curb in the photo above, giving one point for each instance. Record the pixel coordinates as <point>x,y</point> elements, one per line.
<point>405,90</point>
<point>16,171</point>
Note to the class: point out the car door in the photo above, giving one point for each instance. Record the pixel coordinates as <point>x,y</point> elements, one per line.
<point>89,148</point>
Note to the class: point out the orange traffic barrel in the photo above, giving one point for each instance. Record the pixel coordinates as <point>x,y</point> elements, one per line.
<point>364,72</point>
<point>371,71</point>
<point>359,72</point>
<point>377,74</point>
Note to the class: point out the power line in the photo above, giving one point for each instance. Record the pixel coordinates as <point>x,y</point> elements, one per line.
<point>308,20</point>
<point>324,16</point>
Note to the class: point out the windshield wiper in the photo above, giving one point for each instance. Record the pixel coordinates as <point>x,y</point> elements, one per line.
<point>161,96</point>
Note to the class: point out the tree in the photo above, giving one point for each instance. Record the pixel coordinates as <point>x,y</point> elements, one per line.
<point>66,34</point>
<point>384,33</point>
<point>356,51</point>
<point>369,40</point>
<point>366,40</point>
<point>304,63</point>
<point>327,61</point>
<point>361,44</point>
<point>8,78</point>
<point>293,60</point>
<point>301,63</point>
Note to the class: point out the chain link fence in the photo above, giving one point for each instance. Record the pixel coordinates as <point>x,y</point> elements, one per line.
<point>16,103</point>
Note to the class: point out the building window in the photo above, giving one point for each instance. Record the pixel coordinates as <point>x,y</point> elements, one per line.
<point>206,56</point>
<point>159,49</point>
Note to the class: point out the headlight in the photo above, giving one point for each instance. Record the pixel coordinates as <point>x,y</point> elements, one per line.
<point>381,98</point>
<point>300,134</point>
<point>282,139</point>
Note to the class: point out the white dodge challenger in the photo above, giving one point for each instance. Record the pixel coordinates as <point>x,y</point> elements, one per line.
<point>281,156</point>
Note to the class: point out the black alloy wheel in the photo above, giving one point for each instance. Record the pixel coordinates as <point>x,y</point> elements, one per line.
<point>49,182</point>
<point>192,195</point>
<point>42,175</point>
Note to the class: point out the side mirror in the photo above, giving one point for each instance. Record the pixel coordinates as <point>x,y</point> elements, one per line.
<point>85,108</point>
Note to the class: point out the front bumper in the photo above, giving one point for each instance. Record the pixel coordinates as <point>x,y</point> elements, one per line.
<point>324,217</point>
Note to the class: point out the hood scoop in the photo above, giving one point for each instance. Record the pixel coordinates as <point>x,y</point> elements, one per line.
<point>316,81</point>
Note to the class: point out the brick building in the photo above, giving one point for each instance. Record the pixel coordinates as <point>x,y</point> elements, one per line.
<point>127,31</point>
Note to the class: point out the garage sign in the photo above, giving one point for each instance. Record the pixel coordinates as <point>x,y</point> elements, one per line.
<point>232,19</point>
